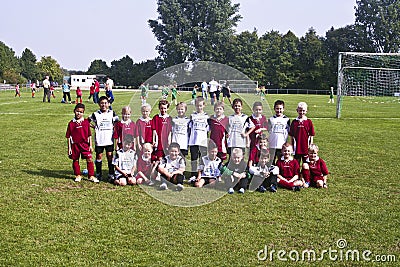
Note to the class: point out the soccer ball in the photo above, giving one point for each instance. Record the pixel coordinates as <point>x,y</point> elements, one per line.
<point>85,171</point>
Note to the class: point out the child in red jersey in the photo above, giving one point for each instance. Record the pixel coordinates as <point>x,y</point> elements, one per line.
<point>161,125</point>
<point>289,169</point>
<point>146,168</point>
<point>257,123</point>
<point>255,152</point>
<point>124,127</point>
<point>78,95</point>
<point>302,133</point>
<point>144,134</point>
<point>17,91</point>
<point>80,143</point>
<point>315,172</point>
<point>91,92</point>
<point>218,124</point>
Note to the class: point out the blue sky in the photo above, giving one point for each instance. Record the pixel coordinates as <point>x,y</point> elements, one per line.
<point>77,32</point>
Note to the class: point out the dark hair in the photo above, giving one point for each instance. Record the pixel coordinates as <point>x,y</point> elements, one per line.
<point>128,138</point>
<point>103,98</point>
<point>279,102</point>
<point>237,100</point>
<point>211,145</point>
<point>174,145</point>
<point>163,102</point>
<point>79,105</point>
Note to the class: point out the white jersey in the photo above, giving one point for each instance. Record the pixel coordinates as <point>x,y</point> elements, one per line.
<point>180,131</point>
<point>278,128</point>
<point>173,165</point>
<point>198,126</point>
<point>204,86</point>
<point>236,126</point>
<point>109,84</point>
<point>210,168</point>
<point>213,86</point>
<point>125,160</point>
<point>104,126</point>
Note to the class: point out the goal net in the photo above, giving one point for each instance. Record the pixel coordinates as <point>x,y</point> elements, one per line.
<point>367,75</point>
<point>242,86</point>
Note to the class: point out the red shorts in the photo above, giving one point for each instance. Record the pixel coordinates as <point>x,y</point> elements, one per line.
<point>158,154</point>
<point>80,150</point>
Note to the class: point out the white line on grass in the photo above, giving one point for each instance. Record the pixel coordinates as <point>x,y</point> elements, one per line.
<point>7,103</point>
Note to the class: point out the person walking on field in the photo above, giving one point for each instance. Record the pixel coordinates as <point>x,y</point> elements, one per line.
<point>66,93</point>
<point>46,89</point>
<point>331,99</point>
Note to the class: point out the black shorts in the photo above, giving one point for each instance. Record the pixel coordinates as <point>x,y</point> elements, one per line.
<point>100,149</point>
<point>226,93</point>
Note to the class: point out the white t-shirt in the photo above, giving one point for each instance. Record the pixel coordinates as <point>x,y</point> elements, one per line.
<point>109,84</point>
<point>278,128</point>
<point>236,126</point>
<point>173,165</point>
<point>104,126</point>
<point>204,86</point>
<point>213,86</point>
<point>198,126</point>
<point>180,131</point>
<point>210,168</point>
<point>125,160</point>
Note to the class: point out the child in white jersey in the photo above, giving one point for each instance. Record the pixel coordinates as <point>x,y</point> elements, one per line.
<point>198,127</point>
<point>125,163</point>
<point>180,128</point>
<point>237,125</point>
<point>103,122</point>
<point>209,168</point>
<point>278,128</point>
<point>171,168</point>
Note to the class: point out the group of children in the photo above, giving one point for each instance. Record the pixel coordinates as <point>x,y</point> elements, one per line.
<point>153,151</point>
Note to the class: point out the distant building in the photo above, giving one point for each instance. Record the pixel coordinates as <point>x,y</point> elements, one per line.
<point>85,81</point>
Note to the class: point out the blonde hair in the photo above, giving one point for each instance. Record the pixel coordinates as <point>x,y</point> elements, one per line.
<point>302,105</point>
<point>313,148</point>
<point>126,109</point>
<point>147,105</point>
<point>147,146</point>
<point>182,104</point>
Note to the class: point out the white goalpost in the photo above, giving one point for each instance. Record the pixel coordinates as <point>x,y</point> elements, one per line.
<point>367,75</point>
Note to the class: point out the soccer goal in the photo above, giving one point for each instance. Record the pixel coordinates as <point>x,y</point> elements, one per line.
<point>367,75</point>
<point>242,86</point>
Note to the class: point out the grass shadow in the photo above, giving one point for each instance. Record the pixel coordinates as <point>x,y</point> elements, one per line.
<point>58,174</point>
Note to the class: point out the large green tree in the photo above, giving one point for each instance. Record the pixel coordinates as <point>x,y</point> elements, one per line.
<point>29,68</point>
<point>380,22</point>
<point>193,30</point>
<point>98,66</point>
<point>122,71</point>
<point>9,65</point>
<point>49,66</point>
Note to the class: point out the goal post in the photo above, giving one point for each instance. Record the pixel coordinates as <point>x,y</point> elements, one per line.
<point>367,74</point>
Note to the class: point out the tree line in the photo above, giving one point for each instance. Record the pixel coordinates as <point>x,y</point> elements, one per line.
<point>191,30</point>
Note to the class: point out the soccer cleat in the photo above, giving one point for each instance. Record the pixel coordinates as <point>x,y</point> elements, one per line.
<point>231,191</point>
<point>241,190</point>
<point>93,179</point>
<point>306,184</point>
<point>296,188</point>
<point>163,186</point>
<point>262,189</point>
<point>111,178</point>
<point>179,187</point>
<point>150,183</point>
<point>273,188</point>
<point>192,179</point>
<point>78,178</point>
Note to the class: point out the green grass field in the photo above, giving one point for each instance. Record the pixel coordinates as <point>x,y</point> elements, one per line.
<point>47,219</point>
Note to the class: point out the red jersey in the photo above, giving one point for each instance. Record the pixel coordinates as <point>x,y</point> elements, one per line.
<point>218,132</point>
<point>121,129</point>
<point>163,128</point>
<point>91,90</point>
<point>301,131</point>
<point>258,123</point>
<point>318,168</point>
<point>144,166</point>
<point>96,86</point>
<point>78,132</point>
<point>288,168</point>
<point>143,131</point>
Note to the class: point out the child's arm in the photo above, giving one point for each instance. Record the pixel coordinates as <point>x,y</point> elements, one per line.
<point>69,146</point>
<point>90,143</point>
<point>295,178</point>
<point>155,138</point>
<point>121,171</point>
